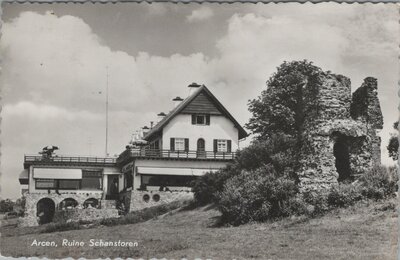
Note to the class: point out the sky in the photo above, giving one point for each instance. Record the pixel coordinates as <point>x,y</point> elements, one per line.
<point>55,59</point>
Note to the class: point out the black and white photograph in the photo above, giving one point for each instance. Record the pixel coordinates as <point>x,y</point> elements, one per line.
<point>199,131</point>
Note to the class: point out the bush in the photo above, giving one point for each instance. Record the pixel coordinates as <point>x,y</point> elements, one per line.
<point>257,196</point>
<point>317,203</point>
<point>277,150</point>
<point>206,187</point>
<point>380,182</point>
<point>344,195</point>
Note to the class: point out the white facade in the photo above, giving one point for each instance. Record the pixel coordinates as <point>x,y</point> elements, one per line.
<point>174,165</point>
<point>181,127</point>
<point>59,172</point>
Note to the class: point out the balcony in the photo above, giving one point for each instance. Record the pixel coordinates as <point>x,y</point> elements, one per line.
<point>69,160</point>
<point>174,155</point>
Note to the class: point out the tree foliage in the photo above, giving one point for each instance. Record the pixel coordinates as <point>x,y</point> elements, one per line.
<point>280,108</point>
<point>393,147</point>
<point>6,205</point>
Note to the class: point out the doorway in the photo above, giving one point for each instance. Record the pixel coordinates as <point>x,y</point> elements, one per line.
<point>113,187</point>
<point>45,209</point>
<point>342,158</point>
<point>201,148</point>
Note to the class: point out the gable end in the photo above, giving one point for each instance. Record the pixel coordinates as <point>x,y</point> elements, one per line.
<point>201,105</point>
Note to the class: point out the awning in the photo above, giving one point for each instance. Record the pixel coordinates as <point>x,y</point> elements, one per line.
<point>24,177</point>
<point>24,174</point>
<point>174,171</point>
<point>57,173</point>
<point>111,170</point>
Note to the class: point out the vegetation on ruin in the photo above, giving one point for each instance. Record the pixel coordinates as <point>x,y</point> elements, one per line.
<point>393,147</point>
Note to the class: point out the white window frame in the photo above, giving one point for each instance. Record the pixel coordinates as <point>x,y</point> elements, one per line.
<point>179,144</point>
<point>222,145</point>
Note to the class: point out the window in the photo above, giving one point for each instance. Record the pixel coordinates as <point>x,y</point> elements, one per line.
<point>167,180</point>
<point>45,184</point>
<point>179,144</point>
<point>91,180</point>
<point>200,119</point>
<point>68,184</point>
<point>222,146</point>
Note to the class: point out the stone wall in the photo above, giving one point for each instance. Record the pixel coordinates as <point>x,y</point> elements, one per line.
<point>138,199</point>
<point>332,111</point>
<point>107,208</point>
<point>365,104</point>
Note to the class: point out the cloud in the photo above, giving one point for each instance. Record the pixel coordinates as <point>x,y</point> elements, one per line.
<point>201,14</point>
<point>44,112</point>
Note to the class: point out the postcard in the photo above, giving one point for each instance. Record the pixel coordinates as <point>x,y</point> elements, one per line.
<point>167,130</point>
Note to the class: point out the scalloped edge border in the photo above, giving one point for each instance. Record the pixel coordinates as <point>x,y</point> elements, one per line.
<point>199,1</point>
<point>187,2</point>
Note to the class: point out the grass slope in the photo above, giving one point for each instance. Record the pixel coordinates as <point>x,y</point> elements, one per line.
<point>365,231</point>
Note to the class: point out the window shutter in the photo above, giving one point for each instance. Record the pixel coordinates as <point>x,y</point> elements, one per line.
<point>207,119</point>
<point>172,144</point>
<point>186,144</point>
<point>215,146</point>
<point>229,146</point>
<point>193,119</point>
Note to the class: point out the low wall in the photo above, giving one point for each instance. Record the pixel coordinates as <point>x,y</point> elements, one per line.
<point>145,199</point>
<point>87,214</point>
<point>107,208</point>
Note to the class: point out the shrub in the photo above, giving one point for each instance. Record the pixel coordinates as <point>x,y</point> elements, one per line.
<point>206,187</point>
<point>379,182</point>
<point>344,195</point>
<point>256,196</point>
<point>317,203</point>
<point>276,150</point>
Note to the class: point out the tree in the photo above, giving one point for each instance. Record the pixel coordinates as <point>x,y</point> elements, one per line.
<point>280,108</point>
<point>278,113</point>
<point>6,205</point>
<point>393,147</point>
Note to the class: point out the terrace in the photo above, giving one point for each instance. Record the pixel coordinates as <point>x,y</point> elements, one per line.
<point>69,160</point>
<point>174,155</point>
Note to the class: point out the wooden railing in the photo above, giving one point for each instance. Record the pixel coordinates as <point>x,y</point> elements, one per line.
<point>156,153</point>
<point>69,159</point>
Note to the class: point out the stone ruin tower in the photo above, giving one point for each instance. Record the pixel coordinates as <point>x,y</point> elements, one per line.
<point>340,138</point>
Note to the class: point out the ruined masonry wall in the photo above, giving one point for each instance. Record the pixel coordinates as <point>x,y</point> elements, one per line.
<point>331,111</point>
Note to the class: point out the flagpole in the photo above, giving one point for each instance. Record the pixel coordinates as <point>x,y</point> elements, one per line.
<point>107,114</point>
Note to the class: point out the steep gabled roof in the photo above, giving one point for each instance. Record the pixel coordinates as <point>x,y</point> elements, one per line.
<point>202,89</point>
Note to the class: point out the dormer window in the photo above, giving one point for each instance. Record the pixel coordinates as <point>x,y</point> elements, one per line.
<point>200,119</point>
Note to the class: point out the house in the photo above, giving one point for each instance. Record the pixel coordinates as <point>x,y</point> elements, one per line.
<point>198,135</point>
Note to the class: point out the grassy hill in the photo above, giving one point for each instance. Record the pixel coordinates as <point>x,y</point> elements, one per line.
<point>365,231</point>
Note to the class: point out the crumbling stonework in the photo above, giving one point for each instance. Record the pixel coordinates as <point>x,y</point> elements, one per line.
<point>340,139</point>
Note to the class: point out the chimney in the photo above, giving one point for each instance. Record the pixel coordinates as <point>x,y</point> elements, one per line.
<point>192,87</point>
<point>161,116</point>
<point>177,101</point>
<point>145,129</point>
<point>151,124</point>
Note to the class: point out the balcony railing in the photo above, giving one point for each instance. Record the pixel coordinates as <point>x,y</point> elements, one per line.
<point>157,153</point>
<point>60,159</point>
